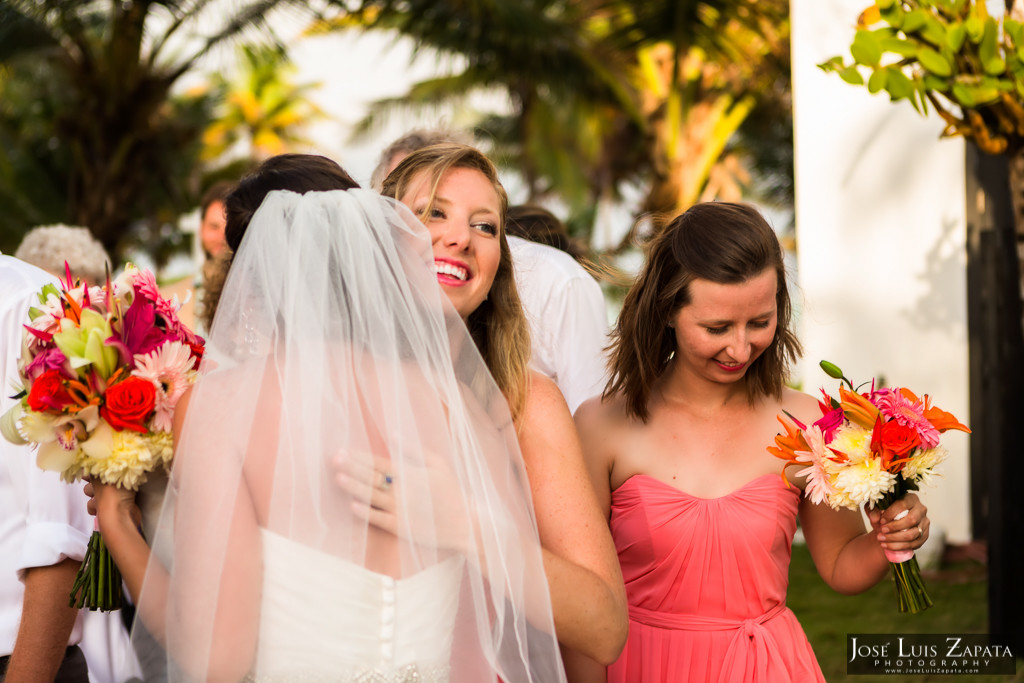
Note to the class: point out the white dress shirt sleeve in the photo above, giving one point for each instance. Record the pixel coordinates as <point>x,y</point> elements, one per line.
<point>568,319</point>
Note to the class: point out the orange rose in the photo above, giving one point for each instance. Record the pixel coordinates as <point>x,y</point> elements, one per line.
<point>900,439</point>
<point>128,404</point>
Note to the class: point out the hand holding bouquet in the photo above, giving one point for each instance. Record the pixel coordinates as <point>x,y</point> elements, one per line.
<point>101,370</point>
<point>869,449</point>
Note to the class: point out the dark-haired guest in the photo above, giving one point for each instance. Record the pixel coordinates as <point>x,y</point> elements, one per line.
<point>677,451</point>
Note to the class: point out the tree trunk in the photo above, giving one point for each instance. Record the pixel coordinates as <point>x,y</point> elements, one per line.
<point>995,209</point>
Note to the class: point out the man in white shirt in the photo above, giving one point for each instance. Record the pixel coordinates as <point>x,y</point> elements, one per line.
<point>43,527</point>
<point>568,320</point>
<point>103,636</point>
<point>564,304</point>
<point>44,532</point>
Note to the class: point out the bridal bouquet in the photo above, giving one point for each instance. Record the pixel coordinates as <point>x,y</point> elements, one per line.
<point>869,449</point>
<point>100,372</point>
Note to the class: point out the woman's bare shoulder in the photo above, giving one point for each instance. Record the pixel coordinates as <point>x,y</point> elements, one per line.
<point>609,409</point>
<point>803,407</point>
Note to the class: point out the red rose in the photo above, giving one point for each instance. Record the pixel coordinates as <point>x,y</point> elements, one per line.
<point>129,404</point>
<point>900,439</point>
<point>48,392</point>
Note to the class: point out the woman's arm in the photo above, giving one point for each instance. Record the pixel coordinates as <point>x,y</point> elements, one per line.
<point>587,593</point>
<point>592,422</point>
<point>232,627</point>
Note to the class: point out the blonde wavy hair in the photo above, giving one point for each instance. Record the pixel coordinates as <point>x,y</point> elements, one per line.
<point>498,325</point>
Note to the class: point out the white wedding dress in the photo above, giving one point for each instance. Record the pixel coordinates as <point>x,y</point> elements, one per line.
<point>376,628</point>
<point>334,347</point>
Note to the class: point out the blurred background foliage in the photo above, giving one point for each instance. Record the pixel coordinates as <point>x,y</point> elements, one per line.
<point>668,102</point>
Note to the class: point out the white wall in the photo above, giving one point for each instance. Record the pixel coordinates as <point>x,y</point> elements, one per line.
<point>880,221</point>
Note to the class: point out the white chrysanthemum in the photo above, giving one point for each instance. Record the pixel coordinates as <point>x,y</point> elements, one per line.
<point>922,466</point>
<point>865,482</point>
<point>853,441</point>
<point>840,499</point>
<point>128,462</point>
<point>161,444</point>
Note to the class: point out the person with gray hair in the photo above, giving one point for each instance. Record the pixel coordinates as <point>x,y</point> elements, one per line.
<point>412,141</point>
<point>49,246</point>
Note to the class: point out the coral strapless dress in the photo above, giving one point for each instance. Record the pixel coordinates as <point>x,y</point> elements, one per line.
<point>706,581</point>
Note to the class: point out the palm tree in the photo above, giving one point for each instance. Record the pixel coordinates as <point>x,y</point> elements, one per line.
<point>105,71</point>
<point>605,92</point>
<point>262,107</point>
<point>563,87</point>
<point>701,69</point>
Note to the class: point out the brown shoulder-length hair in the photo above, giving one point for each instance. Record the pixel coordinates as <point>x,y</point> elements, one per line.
<point>721,242</point>
<point>498,325</point>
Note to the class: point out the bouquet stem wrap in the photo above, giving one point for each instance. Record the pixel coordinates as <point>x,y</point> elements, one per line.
<point>98,582</point>
<point>911,594</point>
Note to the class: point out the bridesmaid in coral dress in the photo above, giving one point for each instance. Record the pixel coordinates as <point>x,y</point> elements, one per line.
<point>676,447</point>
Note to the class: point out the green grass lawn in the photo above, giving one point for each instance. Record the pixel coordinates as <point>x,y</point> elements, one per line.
<point>960,594</point>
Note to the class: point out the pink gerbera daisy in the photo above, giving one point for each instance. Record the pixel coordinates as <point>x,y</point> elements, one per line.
<point>894,405</point>
<point>144,283</point>
<point>167,367</point>
<point>818,485</point>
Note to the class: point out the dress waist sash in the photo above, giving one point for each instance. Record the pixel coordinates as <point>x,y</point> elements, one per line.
<point>697,622</point>
<point>752,653</point>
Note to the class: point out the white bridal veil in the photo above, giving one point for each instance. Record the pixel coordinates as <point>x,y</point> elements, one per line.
<point>338,374</point>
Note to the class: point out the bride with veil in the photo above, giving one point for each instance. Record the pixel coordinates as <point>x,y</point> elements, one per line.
<point>334,349</point>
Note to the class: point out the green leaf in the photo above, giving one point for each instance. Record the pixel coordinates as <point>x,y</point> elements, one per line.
<point>904,48</point>
<point>988,50</point>
<point>898,85</point>
<point>877,80</point>
<point>955,36</point>
<point>984,95</point>
<point>994,67</point>
<point>833,64</point>
<point>885,4</point>
<point>851,75</point>
<point>1014,29</point>
<point>934,31</point>
<point>916,100</point>
<point>922,95</point>
<point>935,83</point>
<point>866,49</point>
<point>893,15</point>
<point>975,28</point>
<point>914,21</point>
<point>963,96</point>
<point>934,62</point>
